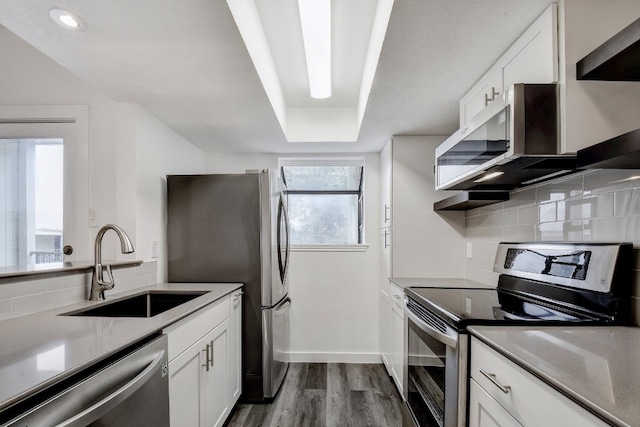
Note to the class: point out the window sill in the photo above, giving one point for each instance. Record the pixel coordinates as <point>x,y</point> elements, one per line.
<point>329,248</point>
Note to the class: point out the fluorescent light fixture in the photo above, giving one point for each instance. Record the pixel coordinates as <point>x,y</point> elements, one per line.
<point>489,176</point>
<point>315,17</point>
<point>67,19</point>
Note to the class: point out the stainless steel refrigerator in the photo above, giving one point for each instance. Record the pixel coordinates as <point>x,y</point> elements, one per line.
<point>234,228</point>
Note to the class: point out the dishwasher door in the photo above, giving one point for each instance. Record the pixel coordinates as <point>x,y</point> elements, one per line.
<point>130,388</point>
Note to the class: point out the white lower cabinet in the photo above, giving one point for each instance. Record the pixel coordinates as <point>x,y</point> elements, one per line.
<point>204,364</point>
<point>486,412</point>
<point>396,331</point>
<point>502,393</point>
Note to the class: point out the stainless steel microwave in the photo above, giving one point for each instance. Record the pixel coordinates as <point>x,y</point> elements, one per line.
<point>513,142</point>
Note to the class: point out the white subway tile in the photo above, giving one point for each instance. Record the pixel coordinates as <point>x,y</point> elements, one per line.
<point>33,303</point>
<point>20,286</point>
<point>613,229</point>
<point>147,268</point>
<point>5,309</point>
<point>66,280</point>
<point>560,231</point>
<point>482,276</point>
<point>521,198</point>
<point>627,202</point>
<point>528,215</point>
<point>520,233</point>
<point>609,180</point>
<point>547,212</point>
<point>559,190</point>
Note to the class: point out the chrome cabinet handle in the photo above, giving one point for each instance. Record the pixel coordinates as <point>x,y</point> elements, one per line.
<point>237,295</point>
<point>492,377</point>
<point>386,243</point>
<point>386,217</point>
<point>208,361</point>
<point>494,93</point>
<point>486,99</point>
<point>211,348</point>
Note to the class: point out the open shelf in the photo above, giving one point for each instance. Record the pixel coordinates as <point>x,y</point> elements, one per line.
<point>466,200</point>
<point>621,152</point>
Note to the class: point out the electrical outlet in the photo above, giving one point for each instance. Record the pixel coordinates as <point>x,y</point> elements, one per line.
<point>469,250</point>
<point>154,248</point>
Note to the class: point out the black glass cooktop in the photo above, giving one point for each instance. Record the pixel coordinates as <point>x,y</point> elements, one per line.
<point>461,307</point>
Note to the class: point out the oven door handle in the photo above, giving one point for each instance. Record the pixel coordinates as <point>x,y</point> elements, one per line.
<point>450,340</point>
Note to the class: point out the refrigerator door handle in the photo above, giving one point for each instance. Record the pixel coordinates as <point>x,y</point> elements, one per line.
<point>284,306</point>
<point>283,261</point>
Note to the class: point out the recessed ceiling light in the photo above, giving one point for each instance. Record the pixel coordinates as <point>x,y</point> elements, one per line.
<point>67,19</point>
<point>315,17</point>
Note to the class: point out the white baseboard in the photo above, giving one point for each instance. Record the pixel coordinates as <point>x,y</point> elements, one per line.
<point>335,357</point>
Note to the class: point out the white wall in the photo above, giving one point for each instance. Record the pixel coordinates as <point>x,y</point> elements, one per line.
<point>130,151</point>
<point>334,316</point>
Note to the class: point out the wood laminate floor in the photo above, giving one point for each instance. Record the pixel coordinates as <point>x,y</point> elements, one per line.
<point>333,394</point>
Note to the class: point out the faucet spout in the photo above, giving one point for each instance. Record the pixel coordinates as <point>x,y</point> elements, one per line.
<point>98,282</point>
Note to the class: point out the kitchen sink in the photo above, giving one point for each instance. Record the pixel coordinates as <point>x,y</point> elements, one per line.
<point>146,304</point>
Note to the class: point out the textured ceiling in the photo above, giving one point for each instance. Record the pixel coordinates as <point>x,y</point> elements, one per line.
<point>186,63</point>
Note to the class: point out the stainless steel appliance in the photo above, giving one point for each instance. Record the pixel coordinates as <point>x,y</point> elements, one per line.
<point>129,389</point>
<point>512,142</point>
<point>234,228</point>
<point>555,283</point>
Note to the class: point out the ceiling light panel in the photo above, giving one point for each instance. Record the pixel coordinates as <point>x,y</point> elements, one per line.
<point>315,18</point>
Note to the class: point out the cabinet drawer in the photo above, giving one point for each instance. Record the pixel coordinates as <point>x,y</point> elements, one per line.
<point>528,399</point>
<point>185,332</point>
<point>396,294</point>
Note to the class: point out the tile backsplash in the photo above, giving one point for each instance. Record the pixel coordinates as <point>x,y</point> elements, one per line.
<point>599,205</point>
<point>29,294</point>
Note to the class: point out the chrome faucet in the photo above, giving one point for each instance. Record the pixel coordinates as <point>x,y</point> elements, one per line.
<point>98,284</point>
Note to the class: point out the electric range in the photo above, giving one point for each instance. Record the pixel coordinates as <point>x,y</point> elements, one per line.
<point>555,283</point>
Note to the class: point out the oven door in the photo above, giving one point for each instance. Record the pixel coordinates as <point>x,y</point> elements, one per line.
<point>436,367</point>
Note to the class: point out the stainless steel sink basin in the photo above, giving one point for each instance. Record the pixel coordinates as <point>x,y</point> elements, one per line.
<point>146,304</point>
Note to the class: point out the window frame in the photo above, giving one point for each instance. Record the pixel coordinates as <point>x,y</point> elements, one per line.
<point>331,161</point>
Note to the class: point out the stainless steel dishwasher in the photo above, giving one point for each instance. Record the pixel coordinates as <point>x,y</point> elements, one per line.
<point>130,388</point>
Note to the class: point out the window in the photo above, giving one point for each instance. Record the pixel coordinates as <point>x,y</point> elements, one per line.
<point>325,200</point>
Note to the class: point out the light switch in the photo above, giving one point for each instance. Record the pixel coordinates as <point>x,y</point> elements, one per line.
<point>469,250</point>
<point>154,249</point>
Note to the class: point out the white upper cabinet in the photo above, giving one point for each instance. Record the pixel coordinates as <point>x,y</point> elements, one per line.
<point>533,58</point>
<point>547,52</point>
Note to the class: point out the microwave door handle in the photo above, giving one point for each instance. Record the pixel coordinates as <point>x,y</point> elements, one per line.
<point>450,340</point>
<point>111,401</point>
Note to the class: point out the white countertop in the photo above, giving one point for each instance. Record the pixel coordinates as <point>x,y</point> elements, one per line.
<point>40,349</point>
<point>598,367</point>
<point>435,282</point>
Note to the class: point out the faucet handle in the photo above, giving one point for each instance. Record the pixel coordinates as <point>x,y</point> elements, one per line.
<point>109,283</point>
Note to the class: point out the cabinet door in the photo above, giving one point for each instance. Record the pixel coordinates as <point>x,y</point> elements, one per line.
<point>215,384</point>
<point>397,346</point>
<point>486,412</point>
<point>235,348</point>
<point>385,265</point>
<point>533,58</point>
<point>385,184</point>
<point>385,332</point>
<point>186,402</point>
<point>488,88</point>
